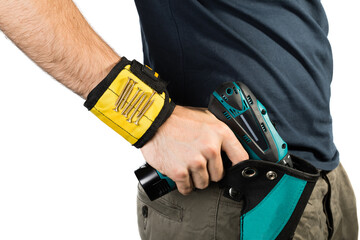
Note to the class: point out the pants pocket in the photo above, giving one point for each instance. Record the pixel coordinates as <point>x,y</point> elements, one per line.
<point>154,217</point>
<point>228,219</point>
<point>313,224</point>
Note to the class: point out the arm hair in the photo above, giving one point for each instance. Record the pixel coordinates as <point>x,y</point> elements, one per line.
<point>55,35</point>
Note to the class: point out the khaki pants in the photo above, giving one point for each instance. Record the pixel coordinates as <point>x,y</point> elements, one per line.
<point>207,214</point>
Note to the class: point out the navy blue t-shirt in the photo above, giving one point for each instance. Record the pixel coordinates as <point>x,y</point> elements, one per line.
<point>279,48</point>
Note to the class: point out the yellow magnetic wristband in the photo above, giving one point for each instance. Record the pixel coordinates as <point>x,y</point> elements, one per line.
<point>132,100</point>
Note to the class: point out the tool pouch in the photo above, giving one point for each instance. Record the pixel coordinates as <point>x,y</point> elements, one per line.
<point>274,196</point>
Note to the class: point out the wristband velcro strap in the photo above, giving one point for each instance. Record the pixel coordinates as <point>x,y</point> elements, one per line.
<point>132,100</point>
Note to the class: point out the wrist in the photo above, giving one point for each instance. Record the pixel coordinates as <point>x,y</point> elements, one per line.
<point>98,74</point>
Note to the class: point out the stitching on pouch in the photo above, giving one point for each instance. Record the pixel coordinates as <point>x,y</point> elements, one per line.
<point>293,206</point>
<point>115,123</point>
<point>118,94</point>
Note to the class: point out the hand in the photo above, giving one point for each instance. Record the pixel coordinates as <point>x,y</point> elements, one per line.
<point>187,148</point>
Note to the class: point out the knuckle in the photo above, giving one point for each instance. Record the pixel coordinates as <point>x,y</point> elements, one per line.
<point>180,174</point>
<point>198,163</point>
<point>223,128</point>
<point>212,151</point>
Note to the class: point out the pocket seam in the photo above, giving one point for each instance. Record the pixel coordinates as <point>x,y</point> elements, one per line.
<point>177,211</point>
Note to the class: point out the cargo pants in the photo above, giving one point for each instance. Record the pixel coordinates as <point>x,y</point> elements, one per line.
<point>207,214</point>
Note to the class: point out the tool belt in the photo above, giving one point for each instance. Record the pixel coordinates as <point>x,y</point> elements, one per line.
<point>274,196</point>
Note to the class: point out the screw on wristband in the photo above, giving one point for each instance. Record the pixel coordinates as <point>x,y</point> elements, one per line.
<point>132,100</point>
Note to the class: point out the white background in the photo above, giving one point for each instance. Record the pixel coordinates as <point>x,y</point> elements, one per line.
<point>65,175</point>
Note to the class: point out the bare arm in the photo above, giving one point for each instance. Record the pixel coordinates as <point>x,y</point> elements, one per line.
<point>55,35</point>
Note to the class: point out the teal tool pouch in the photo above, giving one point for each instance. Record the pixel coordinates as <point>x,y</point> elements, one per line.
<point>274,196</point>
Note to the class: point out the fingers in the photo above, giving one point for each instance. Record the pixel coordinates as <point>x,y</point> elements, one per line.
<point>232,146</point>
<point>199,173</point>
<point>194,176</point>
<point>183,181</point>
<point>208,166</point>
<point>215,166</point>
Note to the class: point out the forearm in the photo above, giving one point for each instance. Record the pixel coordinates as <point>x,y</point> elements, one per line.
<point>56,36</point>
